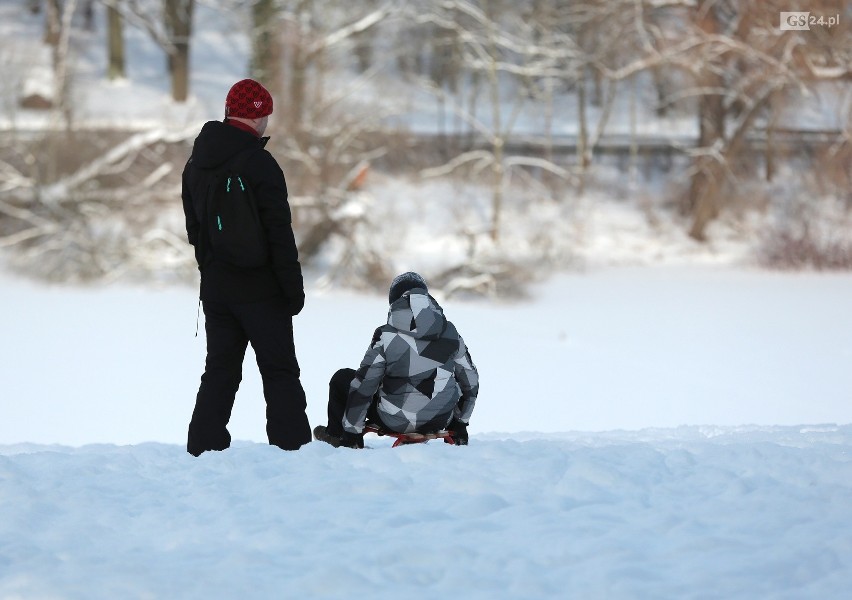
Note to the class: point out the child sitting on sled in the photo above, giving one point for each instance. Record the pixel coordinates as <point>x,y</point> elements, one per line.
<point>416,377</point>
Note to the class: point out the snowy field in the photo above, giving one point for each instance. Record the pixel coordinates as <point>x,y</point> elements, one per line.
<point>606,350</point>
<point>667,433</point>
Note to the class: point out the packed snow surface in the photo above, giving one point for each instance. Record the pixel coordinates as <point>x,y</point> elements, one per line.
<point>671,513</point>
<point>611,349</point>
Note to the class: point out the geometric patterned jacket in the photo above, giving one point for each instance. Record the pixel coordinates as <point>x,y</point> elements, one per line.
<point>419,369</point>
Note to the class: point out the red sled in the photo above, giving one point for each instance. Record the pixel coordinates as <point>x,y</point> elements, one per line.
<point>410,438</point>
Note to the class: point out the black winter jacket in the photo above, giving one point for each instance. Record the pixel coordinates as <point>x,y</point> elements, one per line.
<point>215,145</point>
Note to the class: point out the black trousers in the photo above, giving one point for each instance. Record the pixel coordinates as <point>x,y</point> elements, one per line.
<point>230,327</point>
<point>338,394</point>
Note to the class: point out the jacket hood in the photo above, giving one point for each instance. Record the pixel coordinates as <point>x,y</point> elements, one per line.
<point>417,314</point>
<point>218,142</point>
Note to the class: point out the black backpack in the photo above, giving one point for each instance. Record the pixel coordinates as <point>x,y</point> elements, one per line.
<point>234,229</point>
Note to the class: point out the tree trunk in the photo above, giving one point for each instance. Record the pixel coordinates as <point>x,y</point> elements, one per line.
<point>770,155</point>
<point>178,21</point>
<point>497,127</point>
<point>364,42</point>
<point>299,60</point>
<point>702,201</point>
<point>115,44</point>
<point>267,53</point>
<point>62,58</point>
<point>583,131</point>
<point>770,138</point>
<point>634,148</point>
<point>472,103</point>
<point>704,193</point>
<point>298,83</point>
<point>52,22</point>
<point>661,88</point>
<point>89,15</point>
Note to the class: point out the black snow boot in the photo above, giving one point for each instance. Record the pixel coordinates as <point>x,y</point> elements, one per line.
<point>321,434</point>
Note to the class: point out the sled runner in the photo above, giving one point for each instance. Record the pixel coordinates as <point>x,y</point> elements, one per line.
<point>410,438</point>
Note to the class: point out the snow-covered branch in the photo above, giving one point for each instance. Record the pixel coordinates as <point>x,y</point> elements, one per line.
<point>55,192</point>
<point>360,26</point>
<point>537,163</point>
<point>482,157</point>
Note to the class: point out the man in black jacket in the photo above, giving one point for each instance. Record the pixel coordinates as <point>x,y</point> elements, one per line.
<point>243,305</point>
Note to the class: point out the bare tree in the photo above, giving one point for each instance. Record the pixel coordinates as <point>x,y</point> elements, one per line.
<point>495,46</point>
<point>738,59</point>
<point>747,60</point>
<point>169,24</point>
<point>329,143</point>
<point>308,35</point>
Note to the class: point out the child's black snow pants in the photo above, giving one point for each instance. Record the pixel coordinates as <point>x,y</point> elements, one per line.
<point>338,394</point>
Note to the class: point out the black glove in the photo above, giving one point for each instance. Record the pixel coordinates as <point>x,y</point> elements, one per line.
<point>352,440</point>
<point>295,302</point>
<point>292,284</point>
<point>459,432</point>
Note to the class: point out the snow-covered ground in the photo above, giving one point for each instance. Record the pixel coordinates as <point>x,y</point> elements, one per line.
<point>667,433</point>
<point>760,513</point>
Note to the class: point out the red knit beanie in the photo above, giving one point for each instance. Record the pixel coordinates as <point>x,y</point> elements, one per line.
<point>248,99</point>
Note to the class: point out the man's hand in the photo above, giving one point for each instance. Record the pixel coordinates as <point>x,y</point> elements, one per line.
<point>296,302</point>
